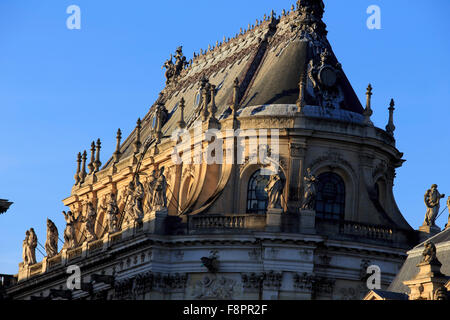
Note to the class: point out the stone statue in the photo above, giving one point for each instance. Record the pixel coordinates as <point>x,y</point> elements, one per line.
<point>150,185</point>
<point>432,200</point>
<point>180,61</point>
<point>159,196</point>
<point>170,69</point>
<point>309,198</point>
<point>429,253</point>
<point>70,240</point>
<point>25,248</point>
<point>112,210</point>
<point>135,205</point>
<point>51,244</point>
<point>32,244</point>
<point>89,220</point>
<point>274,191</point>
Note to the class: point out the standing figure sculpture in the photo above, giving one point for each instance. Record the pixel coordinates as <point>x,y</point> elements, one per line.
<point>448,207</point>
<point>309,198</point>
<point>112,210</point>
<point>274,191</point>
<point>51,244</point>
<point>429,253</point>
<point>32,244</point>
<point>70,240</point>
<point>170,69</point>
<point>159,196</point>
<point>150,185</point>
<point>89,220</point>
<point>432,200</point>
<point>135,210</point>
<point>25,248</point>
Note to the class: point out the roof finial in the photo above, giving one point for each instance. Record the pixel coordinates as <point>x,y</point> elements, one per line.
<point>301,97</point>
<point>97,162</point>
<point>137,143</point>
<point>91,164</point>
<point>368,110</point>
<point>205,92</point>
<point>181,123</point>
<point>83,168</point>
<point>390,128</point>
<point>235,96</point>
<point>117,152</point>
<point>77,174</point>
<point>213,108</point>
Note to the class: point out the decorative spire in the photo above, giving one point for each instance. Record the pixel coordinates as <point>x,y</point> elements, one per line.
<point>302,91</point>
<point>83,168</point>
<point>77,174</point>
<point>117,152</point>
<point>235,105</point>
<point>368,111</point>
<point>137,143</point>
<point>181,123</point>
<point>91,164</point>
<point>390,128</point>
<point>205,93</point>
<point>97,162</point>
<point>213,108</point>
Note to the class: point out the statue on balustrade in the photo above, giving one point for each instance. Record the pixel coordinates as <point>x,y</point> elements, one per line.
<point>150,185</point>
<point>89,220</point>
<point>51,244</point>
<point>429,253</point>
<point>274,191</point>
<point>70,240</point>
<point>432,200</point>
<point>159,196</point>
<point>112,210</point>
<point>25,248</point>
<point>31,247</point>
<point>135,202</point>
<point>309,198</point>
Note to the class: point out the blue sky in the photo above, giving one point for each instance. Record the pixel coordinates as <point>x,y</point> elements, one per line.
<point>60,89</point>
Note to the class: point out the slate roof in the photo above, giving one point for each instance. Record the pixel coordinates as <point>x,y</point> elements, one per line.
<point>268,60</point>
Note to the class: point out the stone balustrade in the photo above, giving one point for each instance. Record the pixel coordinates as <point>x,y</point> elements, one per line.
<point>366,231</point>
<point>221,222</point>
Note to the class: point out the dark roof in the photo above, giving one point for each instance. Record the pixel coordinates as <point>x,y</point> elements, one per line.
<point>409,269</point>
<point>389,295</point>
<point>268,60</point>
<point>4,205</point>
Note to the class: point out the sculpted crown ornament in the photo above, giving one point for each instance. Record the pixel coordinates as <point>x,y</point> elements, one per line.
<point>310,14</point>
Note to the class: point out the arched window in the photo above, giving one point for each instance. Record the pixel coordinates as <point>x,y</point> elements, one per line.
<point>330,202</point>
<point>257,199</point>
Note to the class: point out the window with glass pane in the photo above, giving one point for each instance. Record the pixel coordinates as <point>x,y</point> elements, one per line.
<point>330,202</point>
<point>257,199</point>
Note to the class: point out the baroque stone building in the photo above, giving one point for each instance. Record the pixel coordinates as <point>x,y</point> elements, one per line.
<point>301,205</point>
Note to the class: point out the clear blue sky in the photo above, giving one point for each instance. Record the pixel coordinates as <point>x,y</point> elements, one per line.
<point>60,89</point>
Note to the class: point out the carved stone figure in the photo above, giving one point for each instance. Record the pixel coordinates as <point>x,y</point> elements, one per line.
<point>159,196</point>
<point>89,220</point>
<point>150,185</point>
<point>112,211</point>
<point>170,69</point>
<point>51,244</point>
<point>274,191</point>
<point>429,253</point>
<point>180,61</point>
<point>70,240</point>
<point>32,244</point>
<point>25,248</point>
<point>309,198</point>
<point>432,200</point>
<point>135,208</point>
